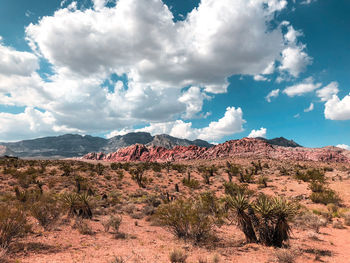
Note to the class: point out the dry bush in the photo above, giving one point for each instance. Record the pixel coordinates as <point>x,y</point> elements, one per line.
<point>82,226</point>
<point>13,223</point>
<point>285,256</point>
<point>338,224</point>
<point>113,222</point>
<point>347,219</point>
<point>46,210</point>
<point>178,256</point>
<point>310,221</point>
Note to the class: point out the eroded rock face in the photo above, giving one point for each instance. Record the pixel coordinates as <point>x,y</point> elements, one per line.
<point>246,147</point>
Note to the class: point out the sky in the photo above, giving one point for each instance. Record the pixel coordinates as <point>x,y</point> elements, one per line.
<point>206,69</point>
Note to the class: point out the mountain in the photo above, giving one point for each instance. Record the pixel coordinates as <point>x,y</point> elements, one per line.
<point>6,151</point>
<point>281,141</point>
<point>73,145</point>
<point>246,147</point>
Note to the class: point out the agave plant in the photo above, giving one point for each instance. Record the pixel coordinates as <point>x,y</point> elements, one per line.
<point>240,204</point>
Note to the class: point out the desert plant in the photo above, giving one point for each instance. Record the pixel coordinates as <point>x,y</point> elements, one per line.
<point>284,256</point>
<point>77,204</point>
<point>327,196</point>
<point>178,256</point>
<point>240,203</point>
<point>187,219</point>
<point>82,226</point>
<point>46,210</point>
<point>13,223</point>
<point>138,175</point>
<point>207,172</point>
<point>113,222</point>
<point>232,171</point>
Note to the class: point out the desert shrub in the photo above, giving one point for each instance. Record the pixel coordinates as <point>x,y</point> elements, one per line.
<point>338,224</point>
<point>317,187</point>
<point>113,222</point>
<point>116,166</point>
<point>13,223</point>
<point>309,220</point>
<point>82,226</point>
<point>77,204</point>
<point>233,189</point>
<point>232,170</point>
<point>99,168</point>
<point>284,256</point>
<point>181,168</point>
<point>327,196</point>
<point>187,219</point>
<point>46,210</point>
<point>207,172</point>
<point>178,256</point>
<point>119,259</point>
<point>137,174</point>
<point>347,219</point>
<point>191,183</point>
<point>262,181</point>
<point>311,175</point>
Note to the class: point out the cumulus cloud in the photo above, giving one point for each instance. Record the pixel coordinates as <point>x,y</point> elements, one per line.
<point>294,60</point>
<point>139,39</point>
<point>344,146</point>
<point>29,124</point>
<point>292,35</point>
<point>300,89</point>
<point>327,92</point>
<point>258,133</point>
<point>338,109</point>
<point>231,123</point>
<point>14,62</point>
<point>273,94</point>
<point>310,108</point>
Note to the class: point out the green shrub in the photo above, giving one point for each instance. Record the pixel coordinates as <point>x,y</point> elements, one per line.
<point>187,219</point>
<point>327,196</point>
<point>311,175</point>
<point>77,204</point>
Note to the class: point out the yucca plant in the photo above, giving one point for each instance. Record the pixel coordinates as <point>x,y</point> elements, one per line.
<point>240,203</point>
<point>78,204</point>
<point>265,208</point>
<point>283,211</point>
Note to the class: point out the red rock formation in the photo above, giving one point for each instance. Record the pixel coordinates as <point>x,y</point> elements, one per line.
<point>246,147</point>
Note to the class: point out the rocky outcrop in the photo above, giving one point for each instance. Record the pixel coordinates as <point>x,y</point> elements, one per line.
<point>246,147</point>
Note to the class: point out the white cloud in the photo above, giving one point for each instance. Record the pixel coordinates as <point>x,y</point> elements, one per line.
<point>344,146</point>
<point>260,78</point>
<point>310,108</point>
<point>14,62</point>
<point>273,94</point>
<point>306,86</point>
<point>336,109</point>
<point>307,2</point>
<point>292,35</point>
<point>269,69</point>
<point>230,124</point>
<point>294,60</point>
<point>327,92</point>
<point>29,124</point>
<point>160,57</point>
<point>193,98</point>
<point>258,133</point>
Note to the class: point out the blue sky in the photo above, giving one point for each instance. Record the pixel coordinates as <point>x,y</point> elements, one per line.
<point>189,68</point>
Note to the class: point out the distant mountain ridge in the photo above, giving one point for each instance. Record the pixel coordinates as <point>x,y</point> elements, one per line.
<point>74,145</point>
<point>281,141</point>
